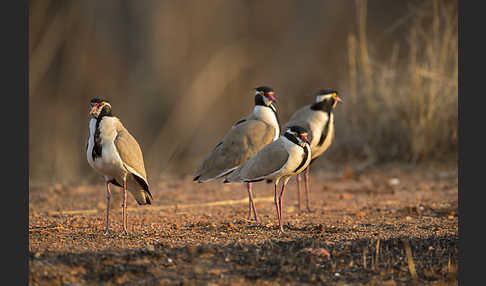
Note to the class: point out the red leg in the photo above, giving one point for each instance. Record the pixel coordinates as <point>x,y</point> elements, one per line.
<point>251,203</point>
<point>125,231</point>
<point>280,199</point>
<point>248,189</point>
<point>275,201</point>
<point>108,196</point>
<point>307,190</point>
<point>298,178</point>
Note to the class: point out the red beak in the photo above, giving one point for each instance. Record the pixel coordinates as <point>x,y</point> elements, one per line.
<point>338,99</point>
<point>304,137</point>
<point>271,96</point>
<point>94,108</point>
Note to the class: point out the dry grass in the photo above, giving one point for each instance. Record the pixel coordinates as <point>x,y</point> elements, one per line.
<point>405,107</point>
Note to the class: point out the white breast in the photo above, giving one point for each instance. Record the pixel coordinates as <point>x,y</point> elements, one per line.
<point>317,122</point>
<point>330,132</point>
<point>266,114</point>
<point>295,155</point>
<point>110,163</point>
<point>89,150</point>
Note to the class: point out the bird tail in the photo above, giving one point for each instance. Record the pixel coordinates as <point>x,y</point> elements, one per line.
<point>233,177</point>
<point>142,197</point>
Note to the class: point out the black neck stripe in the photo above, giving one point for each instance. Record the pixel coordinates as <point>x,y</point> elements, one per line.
<point>259,100</point>
<point>322,105</point>
<point>98,148</point>
<point>325,130</point>
<point>304,159</point>
<point>274,109</point>
<point>291,138</point>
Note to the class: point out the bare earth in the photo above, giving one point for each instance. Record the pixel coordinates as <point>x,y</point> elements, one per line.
<point>390,226</point>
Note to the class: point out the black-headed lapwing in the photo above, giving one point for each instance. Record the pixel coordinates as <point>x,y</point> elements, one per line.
<point>114,153</point>
<point>243,140</point>
<point>279,160</point>
<point>318,118</point>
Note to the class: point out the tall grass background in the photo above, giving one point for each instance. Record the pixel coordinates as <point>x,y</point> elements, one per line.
<point>403,107</point>
<point>180,73</point>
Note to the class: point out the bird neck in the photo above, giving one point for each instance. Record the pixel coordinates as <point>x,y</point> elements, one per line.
<point>322,106</point>
<point>292,138</point>
<point>268,114</point>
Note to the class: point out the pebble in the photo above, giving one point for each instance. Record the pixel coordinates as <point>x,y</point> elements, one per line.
<point>394,181</point>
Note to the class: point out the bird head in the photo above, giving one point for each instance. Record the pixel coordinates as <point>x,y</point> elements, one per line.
<point>299,133</point>
<point>264,95</point>
<point>327,96</point>
<point>99,107</point>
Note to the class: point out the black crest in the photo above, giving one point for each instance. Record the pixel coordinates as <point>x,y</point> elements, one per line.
<point>264,88</point>
<point>324,91</point>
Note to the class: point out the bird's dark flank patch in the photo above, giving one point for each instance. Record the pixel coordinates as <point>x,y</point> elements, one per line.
<point>238,122</point>
<point>253,181</point>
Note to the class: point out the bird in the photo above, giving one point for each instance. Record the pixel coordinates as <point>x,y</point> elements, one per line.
<point>318,118</point>
<point>279,160</point>
<point>246,136</point>
<point>115,154</point>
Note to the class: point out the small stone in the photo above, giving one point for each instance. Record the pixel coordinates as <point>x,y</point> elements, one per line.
<point>394,181</point>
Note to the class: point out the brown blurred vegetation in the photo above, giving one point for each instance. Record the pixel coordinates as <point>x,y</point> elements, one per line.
<point>180,73</point>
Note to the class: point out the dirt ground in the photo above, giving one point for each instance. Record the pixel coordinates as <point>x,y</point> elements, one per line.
<point>392,225</point>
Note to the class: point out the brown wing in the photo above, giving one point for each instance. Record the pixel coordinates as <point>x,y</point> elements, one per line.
<point>265,162</point>
<point>238,145</point>
<point>130,153</point>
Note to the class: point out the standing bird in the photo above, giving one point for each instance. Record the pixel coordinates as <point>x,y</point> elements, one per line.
<point>243,140</point>
<point>279,160</point>
<point>113,152</point>
<point>318,118</point>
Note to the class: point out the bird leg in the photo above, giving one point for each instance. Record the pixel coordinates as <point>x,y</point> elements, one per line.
<point>275,201</point>
<point>251,204</point>
<point>298,178</point>
<point>125,205</point>
<point>280,199</point>
<point>307,190</point>
<point>108,196</point>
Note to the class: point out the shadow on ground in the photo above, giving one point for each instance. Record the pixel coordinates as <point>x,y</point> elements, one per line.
<point>306,261</point>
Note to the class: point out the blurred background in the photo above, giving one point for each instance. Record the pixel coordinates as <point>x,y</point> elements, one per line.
<point>180,73</point>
